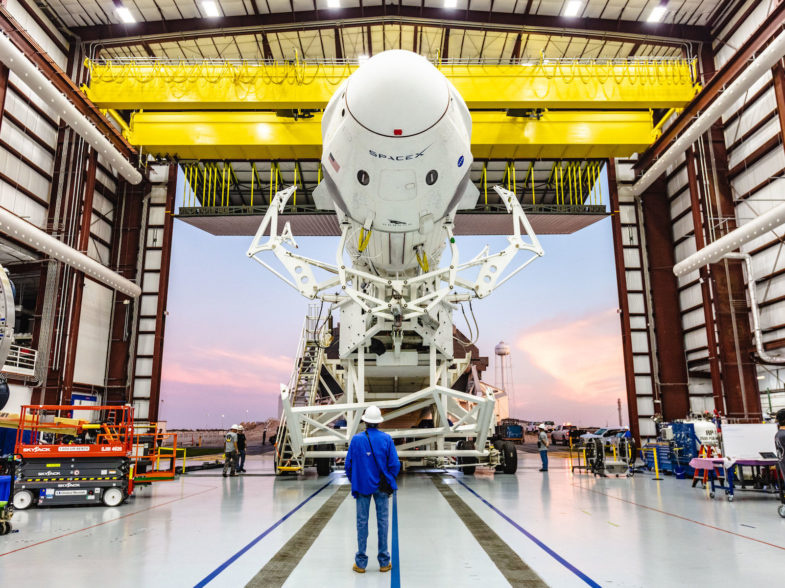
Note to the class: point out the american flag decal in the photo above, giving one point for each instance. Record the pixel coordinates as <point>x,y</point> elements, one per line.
<point>334,163</point>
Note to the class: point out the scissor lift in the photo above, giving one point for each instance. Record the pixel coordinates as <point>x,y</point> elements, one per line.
<point>66,460</point>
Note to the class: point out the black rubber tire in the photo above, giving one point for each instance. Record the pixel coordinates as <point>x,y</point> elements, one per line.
<point>323,467</point>
<point>781,510</point>
<point>468,470</point>
<point>510,458</point>
<point>4,528</point>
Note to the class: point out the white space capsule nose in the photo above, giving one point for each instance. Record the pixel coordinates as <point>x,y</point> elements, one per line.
<point>397,94</point>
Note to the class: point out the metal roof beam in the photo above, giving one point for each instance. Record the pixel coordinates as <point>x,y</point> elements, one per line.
<point>619,30</point>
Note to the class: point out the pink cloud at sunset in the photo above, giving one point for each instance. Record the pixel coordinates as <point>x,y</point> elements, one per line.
<point>220,367</point>
<point>571,369</point>
<point>202,384</point>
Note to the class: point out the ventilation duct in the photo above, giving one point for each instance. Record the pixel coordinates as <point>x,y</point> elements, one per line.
<point>17,62</point>
<point>21,230</point>
<point>749,75</point>
<point>734,240</point>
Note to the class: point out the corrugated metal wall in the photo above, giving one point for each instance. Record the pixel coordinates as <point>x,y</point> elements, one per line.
<point>85,335</point>
<point>755,169</point>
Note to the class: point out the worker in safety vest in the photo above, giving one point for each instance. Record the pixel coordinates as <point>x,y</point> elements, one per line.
<point>231,451</point>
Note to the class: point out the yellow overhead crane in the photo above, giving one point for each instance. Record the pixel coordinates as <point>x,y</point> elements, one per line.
<point>549,109</point>
<point>632,84</point>
<point>265,136</point>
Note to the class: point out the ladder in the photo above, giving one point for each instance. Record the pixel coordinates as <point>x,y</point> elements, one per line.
<point>303,390</point>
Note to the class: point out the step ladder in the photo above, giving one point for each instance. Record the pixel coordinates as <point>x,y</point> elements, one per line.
<point>303,390</point>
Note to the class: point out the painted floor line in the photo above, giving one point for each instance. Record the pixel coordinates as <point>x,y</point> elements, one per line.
<point>212,575</point>
<point>509,563</point>
<point>277,570</point>
<point>125,516</point>
<point>395,574</point>
<point>670,514</point>
<point>539,543</point>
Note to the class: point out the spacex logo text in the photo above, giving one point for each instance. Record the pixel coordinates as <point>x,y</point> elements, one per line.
<point>408,157</point>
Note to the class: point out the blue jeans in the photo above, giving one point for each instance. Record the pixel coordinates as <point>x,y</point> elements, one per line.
<point>242,460</point>
<point>544,458</point>
<point>382,501</point>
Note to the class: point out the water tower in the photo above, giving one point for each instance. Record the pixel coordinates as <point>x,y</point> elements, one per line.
<point>503,371</point>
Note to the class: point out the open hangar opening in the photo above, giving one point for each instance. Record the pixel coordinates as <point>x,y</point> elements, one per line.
<point>677,107</point>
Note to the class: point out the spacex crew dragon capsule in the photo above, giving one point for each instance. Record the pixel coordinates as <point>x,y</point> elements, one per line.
<point>396,161</point>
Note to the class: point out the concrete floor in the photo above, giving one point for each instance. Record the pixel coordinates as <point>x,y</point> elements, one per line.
<point>570,529</point>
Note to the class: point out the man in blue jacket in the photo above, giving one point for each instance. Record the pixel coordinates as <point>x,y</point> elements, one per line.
<point>372,455</point>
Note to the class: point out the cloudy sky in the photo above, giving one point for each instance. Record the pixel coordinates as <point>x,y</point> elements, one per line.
<point>233,329</point>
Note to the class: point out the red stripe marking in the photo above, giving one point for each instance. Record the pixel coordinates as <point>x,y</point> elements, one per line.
<point>670,514</point>
<point>107,522</point>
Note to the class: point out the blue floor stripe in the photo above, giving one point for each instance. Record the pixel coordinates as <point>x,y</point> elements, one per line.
<point>547,549</point>
<point>395,574</point>
<point>209,578</point>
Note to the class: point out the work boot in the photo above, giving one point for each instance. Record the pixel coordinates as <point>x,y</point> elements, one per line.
<point>386,568</point>
<point>358,569</point>
<point>543,469</point>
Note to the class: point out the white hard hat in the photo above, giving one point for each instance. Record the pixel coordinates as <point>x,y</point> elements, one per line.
<point>373,415</point>
<point>542,425</point>
<point>240,427</point>
<point>234,427</point>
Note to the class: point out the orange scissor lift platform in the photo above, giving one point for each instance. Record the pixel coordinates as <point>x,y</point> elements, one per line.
<point>72,455</point>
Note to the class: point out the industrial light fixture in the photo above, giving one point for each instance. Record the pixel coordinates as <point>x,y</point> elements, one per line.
<point>333,3</point>
<point>761,377</point>
<point>573,8</point>
<point>657,13</point>
<point>125,15</point>
<point>210,9</point>
<point>450,3</point>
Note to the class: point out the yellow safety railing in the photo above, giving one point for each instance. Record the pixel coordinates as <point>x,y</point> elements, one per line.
<point>210,184</point>
<point>152,84</point>
<point>175,451</point>
<point>485,181</point>
<point>656,462</point>
<point>641,70</point>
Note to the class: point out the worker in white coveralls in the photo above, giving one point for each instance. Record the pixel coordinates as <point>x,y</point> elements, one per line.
<point>542,445</point>
<point>372,465</point>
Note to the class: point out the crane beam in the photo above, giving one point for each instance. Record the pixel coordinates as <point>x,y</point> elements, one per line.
<point>265,136</point>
